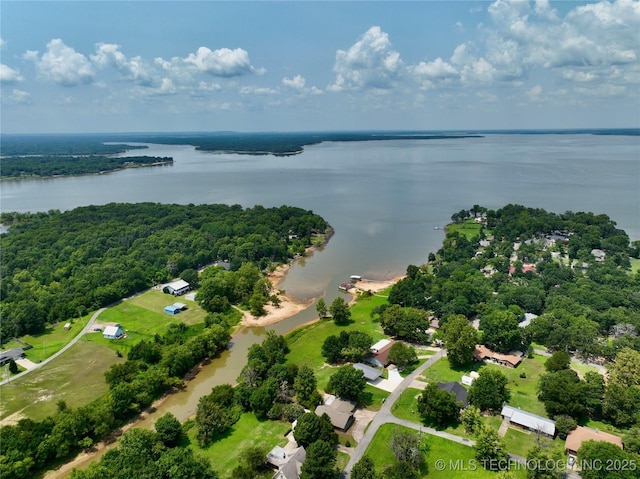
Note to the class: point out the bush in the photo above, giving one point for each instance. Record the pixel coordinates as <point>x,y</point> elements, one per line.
<point>564,425</point>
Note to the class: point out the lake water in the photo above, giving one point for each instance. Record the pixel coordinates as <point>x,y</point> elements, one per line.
<point>383,199</point>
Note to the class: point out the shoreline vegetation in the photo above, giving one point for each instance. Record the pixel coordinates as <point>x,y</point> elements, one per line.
<point>47,167</point>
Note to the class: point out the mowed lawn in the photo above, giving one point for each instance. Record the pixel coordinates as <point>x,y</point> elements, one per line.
<point>455,456</point>
<point>52,340</point>
<point>523,389</point>
<point>143,316</point>
<point>305,344</point>
<point>247,432</point>
<point>76,377</point>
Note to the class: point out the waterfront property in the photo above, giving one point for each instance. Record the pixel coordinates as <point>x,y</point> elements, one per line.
<point>529,421</point>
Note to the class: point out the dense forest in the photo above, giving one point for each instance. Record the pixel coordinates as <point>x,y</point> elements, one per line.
<point>60,265</point>
<point>571,270</point>
<point>48,165</point>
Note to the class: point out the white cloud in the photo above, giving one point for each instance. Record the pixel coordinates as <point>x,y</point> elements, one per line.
<point>296,83</point>
<point>63,65</point>
<point>20,97</point>
<point>9,75</point>
<point>254,90</point>
<point>369,63</point>
<point>109,55</point>
<point>534,93</point>
<point>2,42</point>
<point>222,62</point>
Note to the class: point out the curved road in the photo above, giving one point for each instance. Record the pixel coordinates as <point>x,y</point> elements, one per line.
<point>384,416</point>
<point>54,356</point>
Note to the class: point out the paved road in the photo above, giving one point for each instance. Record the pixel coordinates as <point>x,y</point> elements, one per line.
<point>384,416</point>
<point>54,356</point>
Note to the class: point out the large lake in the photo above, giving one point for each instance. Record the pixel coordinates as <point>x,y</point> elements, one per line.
<point>383,198</point>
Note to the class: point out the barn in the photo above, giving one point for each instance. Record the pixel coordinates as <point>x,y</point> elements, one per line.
<point>178,288</point>
<point>113,332</point>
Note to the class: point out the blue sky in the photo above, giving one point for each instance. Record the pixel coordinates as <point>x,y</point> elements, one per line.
<point>288,66</point>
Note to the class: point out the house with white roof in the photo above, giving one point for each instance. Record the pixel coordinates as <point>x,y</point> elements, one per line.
<point>529,421</point>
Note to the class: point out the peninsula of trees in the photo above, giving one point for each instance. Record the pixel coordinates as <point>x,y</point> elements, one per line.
<point>57,265</point>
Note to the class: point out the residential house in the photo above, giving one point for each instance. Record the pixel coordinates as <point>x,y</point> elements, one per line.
<point>584,434</point>
<point>370,374</point>
<point>339,411</point>
<point>380,353</point>
<point>457,389</point>
<point>9,354</point>
<point>113,332</point>
<point>288,464</point>
<point>511,360</point>
<point>529,421</point>
<point>178,287</point>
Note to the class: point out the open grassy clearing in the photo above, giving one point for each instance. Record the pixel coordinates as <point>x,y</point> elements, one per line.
<point>436,449</point>
<point>305,344</point>
<point>469,228</point>
<point>51,341</point>
<point>523,390</point>
<point>247,432</point>
<point>521,442</point>
<point>635,265</point>
<point>76,377</point>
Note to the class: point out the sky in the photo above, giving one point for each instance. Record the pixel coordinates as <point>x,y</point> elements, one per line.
<point>166,66</point>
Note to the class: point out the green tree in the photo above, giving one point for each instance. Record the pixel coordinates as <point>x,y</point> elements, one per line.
<point>558,361</point>
<point>564,425</point>
<point>471,419</point>
<point>460,339</point>
<point>364,469</point>
<point>406,447</point>
<point>541,456</point>
<point>400,470</point>
<point>402,355</point>
<point>632,440</point>
<point>562,393</point>
<point>438,406</point>
<point>489,390</point>
<point>321,308</point>
<point>13,367</point>
<point>320,462</point>
<point>340,311</point>
<point>306,388</point>
<point>168,429</point>
<point>490,449</point>
<point>348,383</point>
<point>311,428</point>
<point>603,454</point>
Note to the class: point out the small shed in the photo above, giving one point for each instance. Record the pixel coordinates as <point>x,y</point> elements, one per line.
<point>67,326</point>
<point>180,306</point>
<point>171,309</point>
<point>113,332</point>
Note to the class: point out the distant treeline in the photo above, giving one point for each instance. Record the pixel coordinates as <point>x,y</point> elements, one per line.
<point>60,265</point>
<point>52,165</point>
<point>250,143</point>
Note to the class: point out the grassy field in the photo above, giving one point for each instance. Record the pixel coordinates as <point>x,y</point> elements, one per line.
<point>437,449</point>
<point>76,377</point>
<point>523,390</point>
<point>469,228</point>
<point>51,341</point>
<point>521,442</point>
<point>305,344</point>
<point>247,432</point>
<point>635,265</point>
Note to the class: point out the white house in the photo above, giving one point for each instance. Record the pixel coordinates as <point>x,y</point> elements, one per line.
<point>113,332</point>
<point>179,287</point>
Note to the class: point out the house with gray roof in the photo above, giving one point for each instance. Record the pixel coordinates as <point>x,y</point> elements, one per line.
<point>288,463</point>
<point>529,421</point>
<point>370,374</point>
<point>457,389</point>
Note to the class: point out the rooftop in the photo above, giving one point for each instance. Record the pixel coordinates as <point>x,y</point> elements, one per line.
<point>584,434</point>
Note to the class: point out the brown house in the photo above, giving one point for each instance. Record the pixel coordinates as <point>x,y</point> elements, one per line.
<point>511,360</point>
<point>584,434</point>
